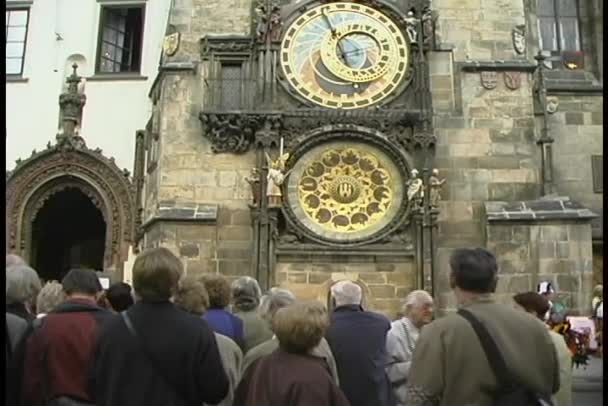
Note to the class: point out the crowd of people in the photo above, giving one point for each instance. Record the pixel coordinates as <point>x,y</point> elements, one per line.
<point>195,340</point>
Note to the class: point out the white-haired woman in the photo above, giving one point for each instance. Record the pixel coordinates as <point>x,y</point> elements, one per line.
<point>402,337</point>
<point>22,287</point>
<point>246,294</point>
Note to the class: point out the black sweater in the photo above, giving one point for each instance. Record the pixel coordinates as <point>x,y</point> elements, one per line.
<point>183,347</point>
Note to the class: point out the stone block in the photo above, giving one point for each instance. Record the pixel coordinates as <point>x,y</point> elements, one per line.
<point>512,251</point>
<point>234,253</point>
<point>234,268</point>
<point>318,278</point>
<point>567,283</point>
<point>201,267</point>
<point>402,278</point>
<point>554,233</point>
<point>227,178</point>
<point>235,233</point>
<point>189,250</point>
<point>293,277</point>
<point>578,232</point>
<point>546,249</point>
<point>498,162</point>
<point>573,118</point>
<point>499,233</point>
<point>281,277</point>
<point>328,268</point>
<point>500,192</point>
<point>382,291</point>
<point>562,249</point>
<point>373,277</point>
<point>519,284</point>
<point>521,234</point>
<point>195,232</point>
<point>240,217</point>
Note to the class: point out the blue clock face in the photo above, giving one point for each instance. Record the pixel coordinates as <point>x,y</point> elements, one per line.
<point>344,55</point>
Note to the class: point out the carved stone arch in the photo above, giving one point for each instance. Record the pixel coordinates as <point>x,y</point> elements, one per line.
<point>71,165</point>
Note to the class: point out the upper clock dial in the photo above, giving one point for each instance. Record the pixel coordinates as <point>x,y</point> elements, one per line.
<point>344,55</point>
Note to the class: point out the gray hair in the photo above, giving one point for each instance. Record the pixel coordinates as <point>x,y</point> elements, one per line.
<point>12,259</point>
<point>51,295</point>
<point>246,294</point>
<point>346,293</point>
<point>275,299</point>
<point>22,284</point>
<point>416,298</point>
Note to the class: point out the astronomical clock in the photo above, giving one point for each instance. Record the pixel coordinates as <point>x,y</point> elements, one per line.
<point>345,56</point>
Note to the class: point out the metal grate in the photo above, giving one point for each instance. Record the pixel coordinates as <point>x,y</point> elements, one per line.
<point>231,87</point>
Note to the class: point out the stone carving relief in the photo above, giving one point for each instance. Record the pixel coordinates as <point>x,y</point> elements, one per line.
<point>489,79</point>
<point>518,36</point>
<point>512,80</point>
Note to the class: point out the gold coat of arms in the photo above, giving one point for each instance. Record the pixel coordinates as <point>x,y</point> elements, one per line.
<point>171,44</point>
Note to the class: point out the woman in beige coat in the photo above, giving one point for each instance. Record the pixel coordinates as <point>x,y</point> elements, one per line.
<point>538,306</point>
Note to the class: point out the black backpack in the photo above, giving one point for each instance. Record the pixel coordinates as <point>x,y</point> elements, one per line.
<point>510,392</point>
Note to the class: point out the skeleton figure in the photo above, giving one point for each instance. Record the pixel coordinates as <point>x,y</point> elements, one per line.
<point>436,185</point>
<point>411,26</point>
<point>276,176</point>
<point>415,191</point>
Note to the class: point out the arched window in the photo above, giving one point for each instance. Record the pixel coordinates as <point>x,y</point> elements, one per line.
<point>558,25</point>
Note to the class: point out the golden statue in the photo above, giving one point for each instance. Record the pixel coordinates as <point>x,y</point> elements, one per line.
<point>275,178</point>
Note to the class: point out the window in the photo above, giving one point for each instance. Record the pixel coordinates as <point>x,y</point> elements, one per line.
<point>231,84</point>
<point>597,170</point>
<point>120,39</point>
<point>16,34</point>
<point>558,25</point>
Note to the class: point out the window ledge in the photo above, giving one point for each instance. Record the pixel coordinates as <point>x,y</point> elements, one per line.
<point>16,79</point>
<point>117,76</point>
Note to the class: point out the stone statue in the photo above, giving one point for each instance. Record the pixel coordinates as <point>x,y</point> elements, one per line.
<point>276,176</point>
<point>275,25</point>
<point>435,184</point>
<point>254,182</point>
<point>415,190</point>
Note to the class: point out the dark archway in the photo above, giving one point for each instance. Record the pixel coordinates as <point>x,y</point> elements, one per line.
<point>68,232</point>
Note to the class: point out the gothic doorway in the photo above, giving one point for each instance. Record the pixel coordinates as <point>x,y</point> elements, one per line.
<point>68,232</point>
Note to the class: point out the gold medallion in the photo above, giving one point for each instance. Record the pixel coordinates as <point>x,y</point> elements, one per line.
<point>345,190</point>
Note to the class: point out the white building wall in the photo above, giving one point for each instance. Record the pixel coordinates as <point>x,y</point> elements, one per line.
<point>114,109</point>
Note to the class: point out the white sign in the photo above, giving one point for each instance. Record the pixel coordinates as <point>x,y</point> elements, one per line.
<point>105,282</point>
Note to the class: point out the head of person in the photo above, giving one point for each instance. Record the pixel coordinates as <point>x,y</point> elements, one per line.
<point>418,307</point>
<point>119,296</point>
<point>191,295</point>
<point>533,303</point>
<point>473,271</point>
<point>51,295</point>
<point>82,283</point>
<point>275,299</point>
<point>246,294</point>
<point>546,289</point>
<point>598,291</point>
<point>218,290</point>
<point>22,285</point>
<point>300,326</point>
<point>346,293</point>
<point>12,259</point>
<point>156,273</point>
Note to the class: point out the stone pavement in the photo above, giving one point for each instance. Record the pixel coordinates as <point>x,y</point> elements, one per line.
<point>590,378</point>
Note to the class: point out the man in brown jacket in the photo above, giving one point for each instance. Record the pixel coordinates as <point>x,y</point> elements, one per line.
<point>449,366</point>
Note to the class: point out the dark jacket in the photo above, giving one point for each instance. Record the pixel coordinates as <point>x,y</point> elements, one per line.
<point>284,379</point>
<point>59,352</point>
<point>19,309</point>
<point>15,328</point>
<point>186,370</point>
<point>358,341</point>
